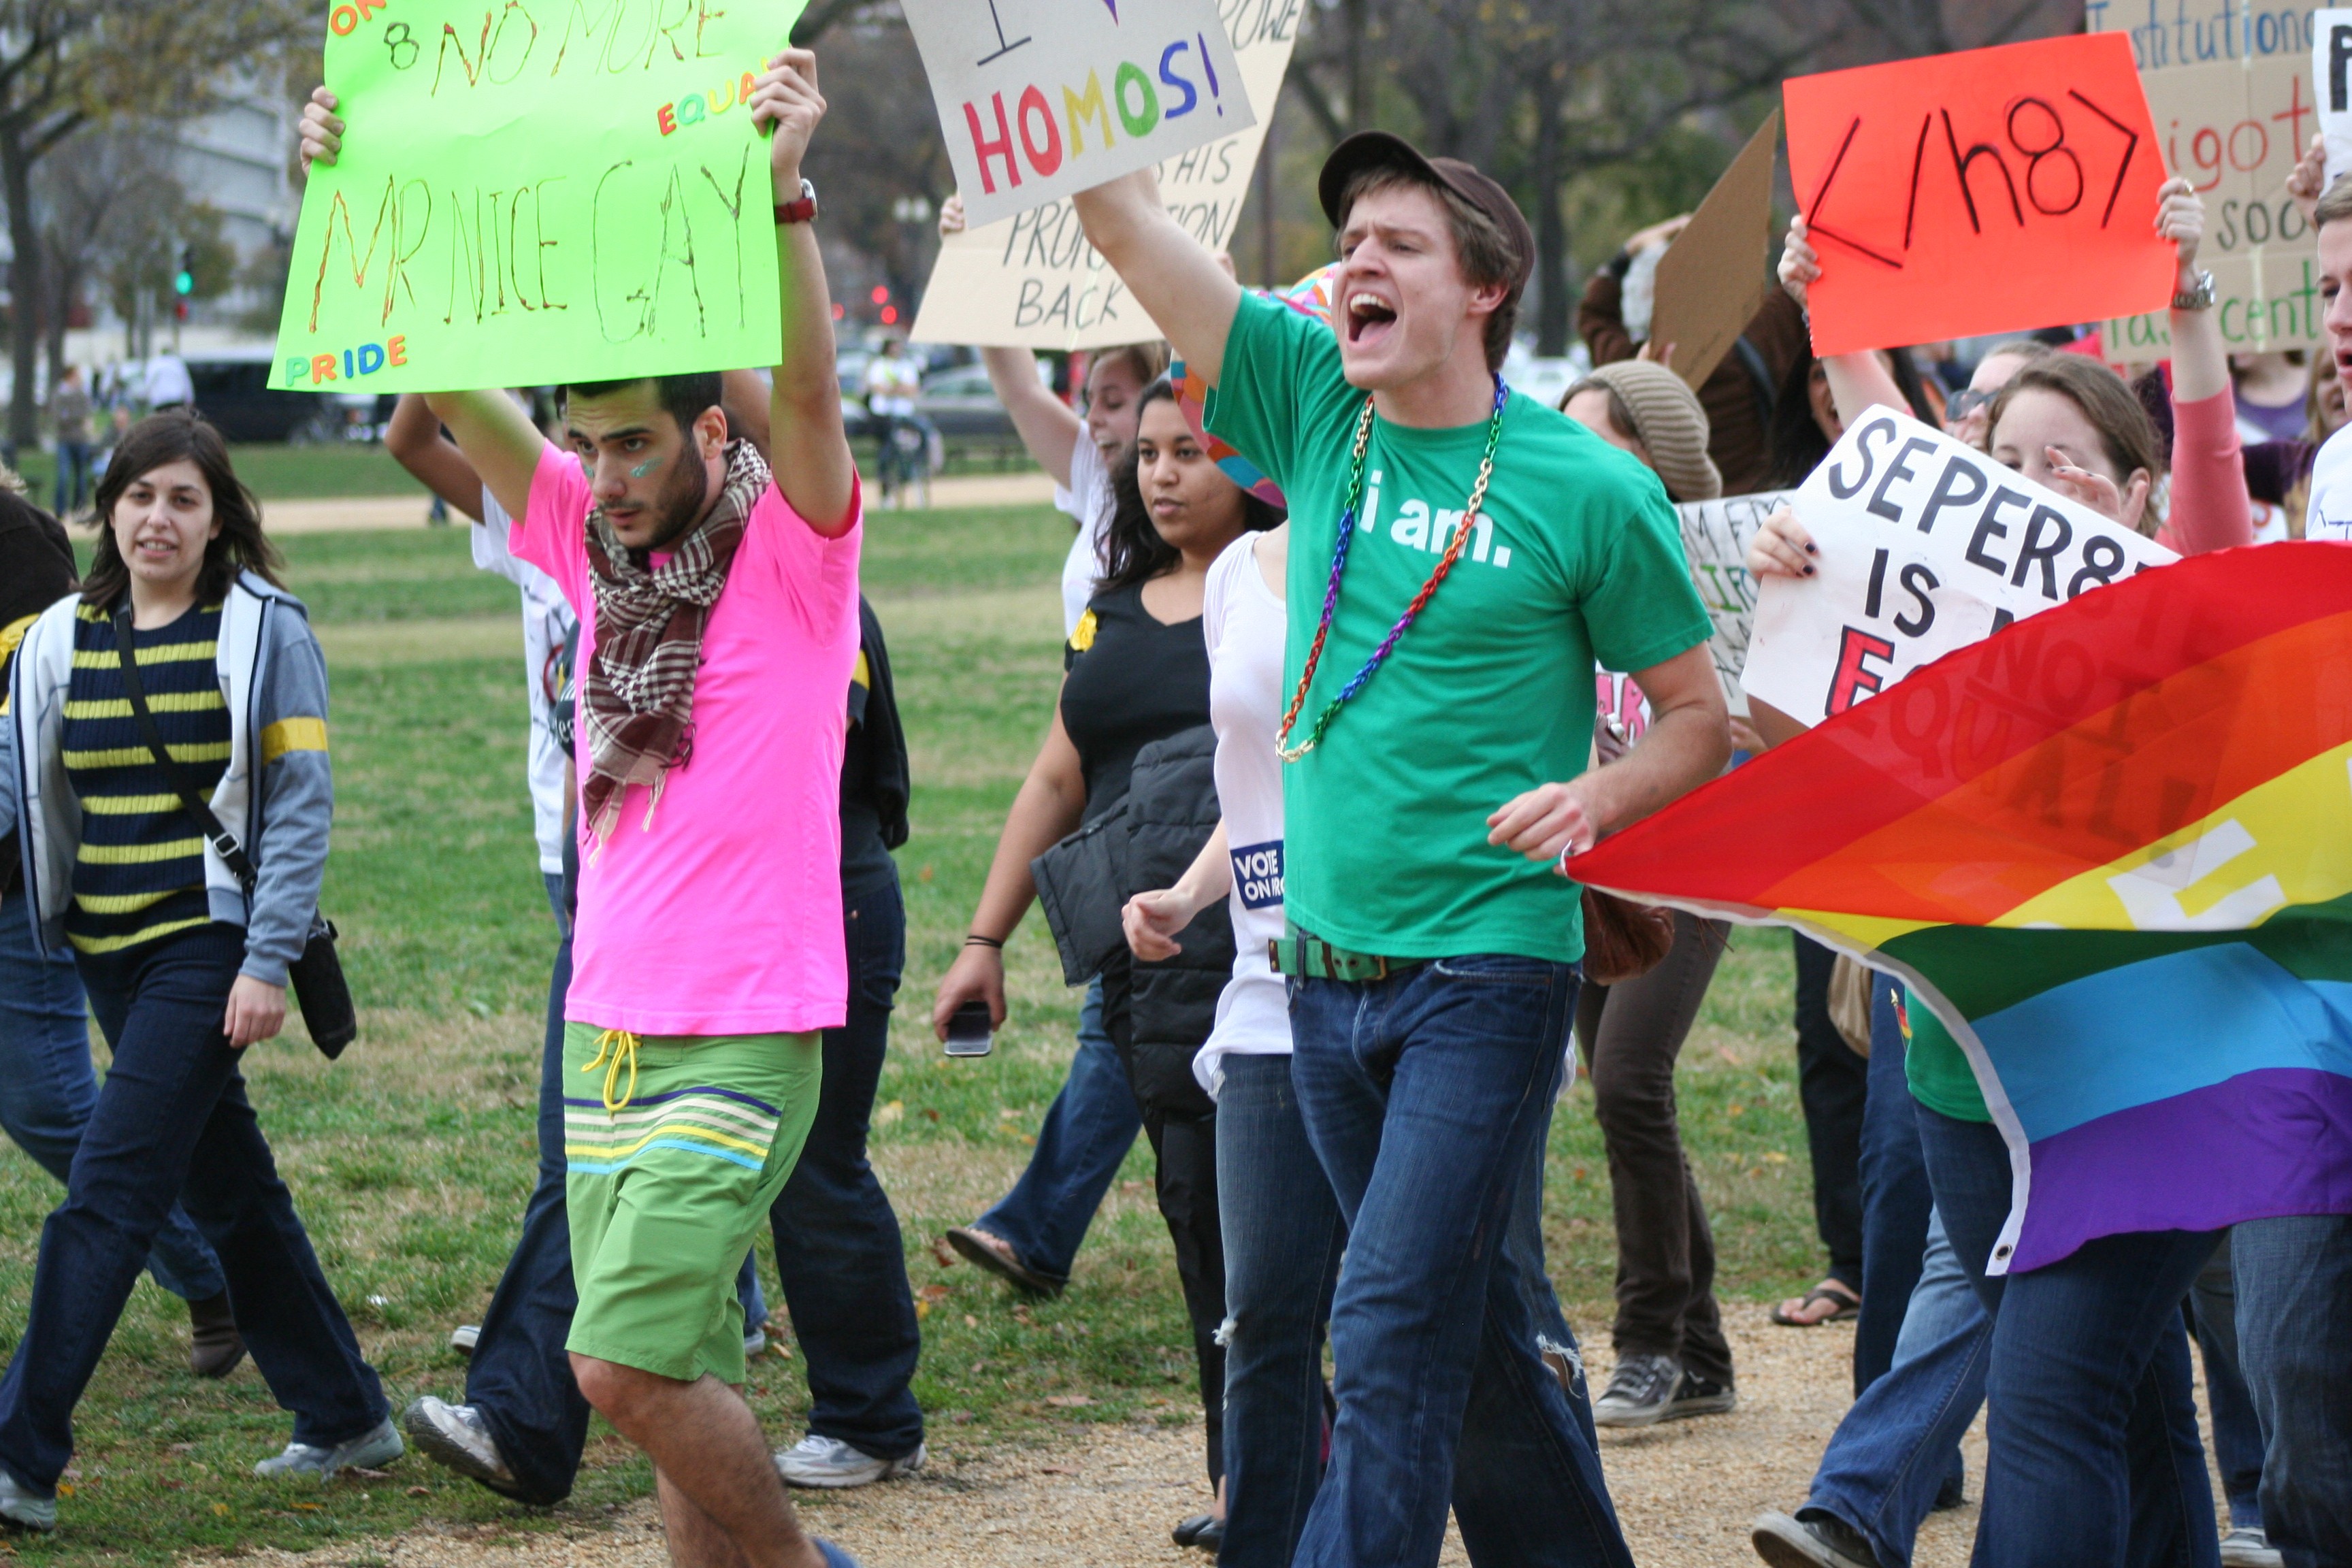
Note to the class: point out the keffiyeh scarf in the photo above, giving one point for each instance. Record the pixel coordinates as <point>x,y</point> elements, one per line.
<point>636,696</point>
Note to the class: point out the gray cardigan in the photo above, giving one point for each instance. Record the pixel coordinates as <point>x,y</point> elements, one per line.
<point>278,794</point>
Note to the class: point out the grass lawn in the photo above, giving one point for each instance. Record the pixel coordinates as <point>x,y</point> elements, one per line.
<point>276,472</point>
<point>410,1158</point>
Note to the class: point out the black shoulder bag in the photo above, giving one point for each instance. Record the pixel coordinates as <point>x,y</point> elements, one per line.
<point>318,975</point>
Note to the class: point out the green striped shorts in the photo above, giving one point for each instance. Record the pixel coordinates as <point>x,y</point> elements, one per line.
<point>676,1150</point>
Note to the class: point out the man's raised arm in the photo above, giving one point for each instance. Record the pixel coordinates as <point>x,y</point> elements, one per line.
<point>1172,275</point>
<point>497,437</point>
<point>809,448</point>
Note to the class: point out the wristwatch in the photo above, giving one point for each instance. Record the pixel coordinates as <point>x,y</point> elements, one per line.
<point>804,211</point>
<point>2200,298</point>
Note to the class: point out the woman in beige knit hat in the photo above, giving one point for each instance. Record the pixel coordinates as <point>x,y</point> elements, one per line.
<point>1645,409</point>
<point>1673,1360</point>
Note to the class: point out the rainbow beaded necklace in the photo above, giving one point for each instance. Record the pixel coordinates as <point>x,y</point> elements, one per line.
<point>1283,748</point>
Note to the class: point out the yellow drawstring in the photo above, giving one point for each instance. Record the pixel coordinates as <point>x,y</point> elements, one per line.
<point>619,1045</point>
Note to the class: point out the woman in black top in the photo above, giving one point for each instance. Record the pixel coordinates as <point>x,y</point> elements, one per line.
<point>1137,670</point>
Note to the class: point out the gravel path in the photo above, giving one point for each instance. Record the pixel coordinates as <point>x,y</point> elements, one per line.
<point>1685,1492</point>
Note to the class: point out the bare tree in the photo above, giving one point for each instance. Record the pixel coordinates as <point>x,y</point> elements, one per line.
<point>65,64</point>
<point>109,205</point>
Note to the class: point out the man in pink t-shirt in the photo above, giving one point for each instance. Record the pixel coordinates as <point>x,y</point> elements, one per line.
<point>719,611</point>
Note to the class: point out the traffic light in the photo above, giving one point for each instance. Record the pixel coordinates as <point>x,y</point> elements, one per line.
<point>183,283</point>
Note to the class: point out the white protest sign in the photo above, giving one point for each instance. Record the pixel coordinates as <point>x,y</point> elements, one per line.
<point>1715,538</point>
<point>1032,281</point>
<point>1926,545</point>
<point>1041,98</point>
<point>2331,65</point>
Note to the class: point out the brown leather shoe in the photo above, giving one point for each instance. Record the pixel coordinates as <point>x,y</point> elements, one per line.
<point>216,1347</point>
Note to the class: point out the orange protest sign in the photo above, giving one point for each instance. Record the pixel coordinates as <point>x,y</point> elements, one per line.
<point>1997,190</point>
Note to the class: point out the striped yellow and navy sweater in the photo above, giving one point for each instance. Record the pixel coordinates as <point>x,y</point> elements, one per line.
<point>140,874</point>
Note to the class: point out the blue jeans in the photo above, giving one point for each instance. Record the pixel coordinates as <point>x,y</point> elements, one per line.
<point>1088,1130</point>
<point>520,1378</point>
<point>1895,1451</point>
<point>2096,1458</point>
<point>48,1087</point>
<point>1833,1086</point>
<point>838,1250</point>
<point>73,478</point>
<point>1895,1197</point>
<point>1425,1095</point>
<point>1283,1238</point>
<point>171,1121</point>
<point>2237,1432</point>
<point>1523,1249</point>
<point>2295,1317</point>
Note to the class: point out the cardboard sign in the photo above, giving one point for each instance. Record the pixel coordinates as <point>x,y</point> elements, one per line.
<point>1712,279</point>
<point>1041,98</point>
<point>1715,534</point>
<point>532,192</point>
<point>2166,33</point>
<point>1926,545</point>
<point>2331,72</point>
<point>1032,281</point>
<point>2234,130</point>
<point>1993,191</point>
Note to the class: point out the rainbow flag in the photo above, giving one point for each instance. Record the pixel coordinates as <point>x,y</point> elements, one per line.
<point>2111,845</point>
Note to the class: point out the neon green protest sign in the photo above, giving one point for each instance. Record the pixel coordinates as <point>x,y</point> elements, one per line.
<point>533,192</point>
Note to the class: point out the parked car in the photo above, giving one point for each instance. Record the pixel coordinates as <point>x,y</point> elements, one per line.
<point>233,391</point>
<point>963,406</point>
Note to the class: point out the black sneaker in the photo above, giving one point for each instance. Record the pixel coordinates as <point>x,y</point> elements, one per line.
<point>1697,1395</point>
<point>1639,1392</point>
<point>1824,1542</point>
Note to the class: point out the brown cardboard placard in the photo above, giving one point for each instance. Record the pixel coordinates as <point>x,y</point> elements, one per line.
<point>1712,281</point>
<point>2234,130</point>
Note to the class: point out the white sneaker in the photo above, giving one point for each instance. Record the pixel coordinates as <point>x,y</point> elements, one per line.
<point>21,1508</point>
<point>755,1344</point>
<point>366,1451</point>
<point>2246,1547</point>
<point>464,1337</point>
<point>815,1461</point>
<point>455,1437</point>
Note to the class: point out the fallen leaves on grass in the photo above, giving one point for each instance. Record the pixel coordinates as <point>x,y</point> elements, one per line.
<point>1069,1400</point>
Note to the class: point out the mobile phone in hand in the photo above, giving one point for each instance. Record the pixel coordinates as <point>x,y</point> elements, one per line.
<point>970,1033</point>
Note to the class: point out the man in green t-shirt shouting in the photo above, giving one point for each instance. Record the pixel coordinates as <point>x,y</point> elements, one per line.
<point>1460,556</point>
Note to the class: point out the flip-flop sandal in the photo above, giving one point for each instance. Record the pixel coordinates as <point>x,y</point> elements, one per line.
<point>999,1259</point>
<point>1848,1304</point>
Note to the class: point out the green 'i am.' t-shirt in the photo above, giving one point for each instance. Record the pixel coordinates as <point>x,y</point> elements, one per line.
<point>1938,1071</point>
<point>1575,556</point>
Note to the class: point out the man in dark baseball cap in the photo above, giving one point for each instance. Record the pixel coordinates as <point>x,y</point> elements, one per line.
<point>1492,246</point>
<point>1460,556</point>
